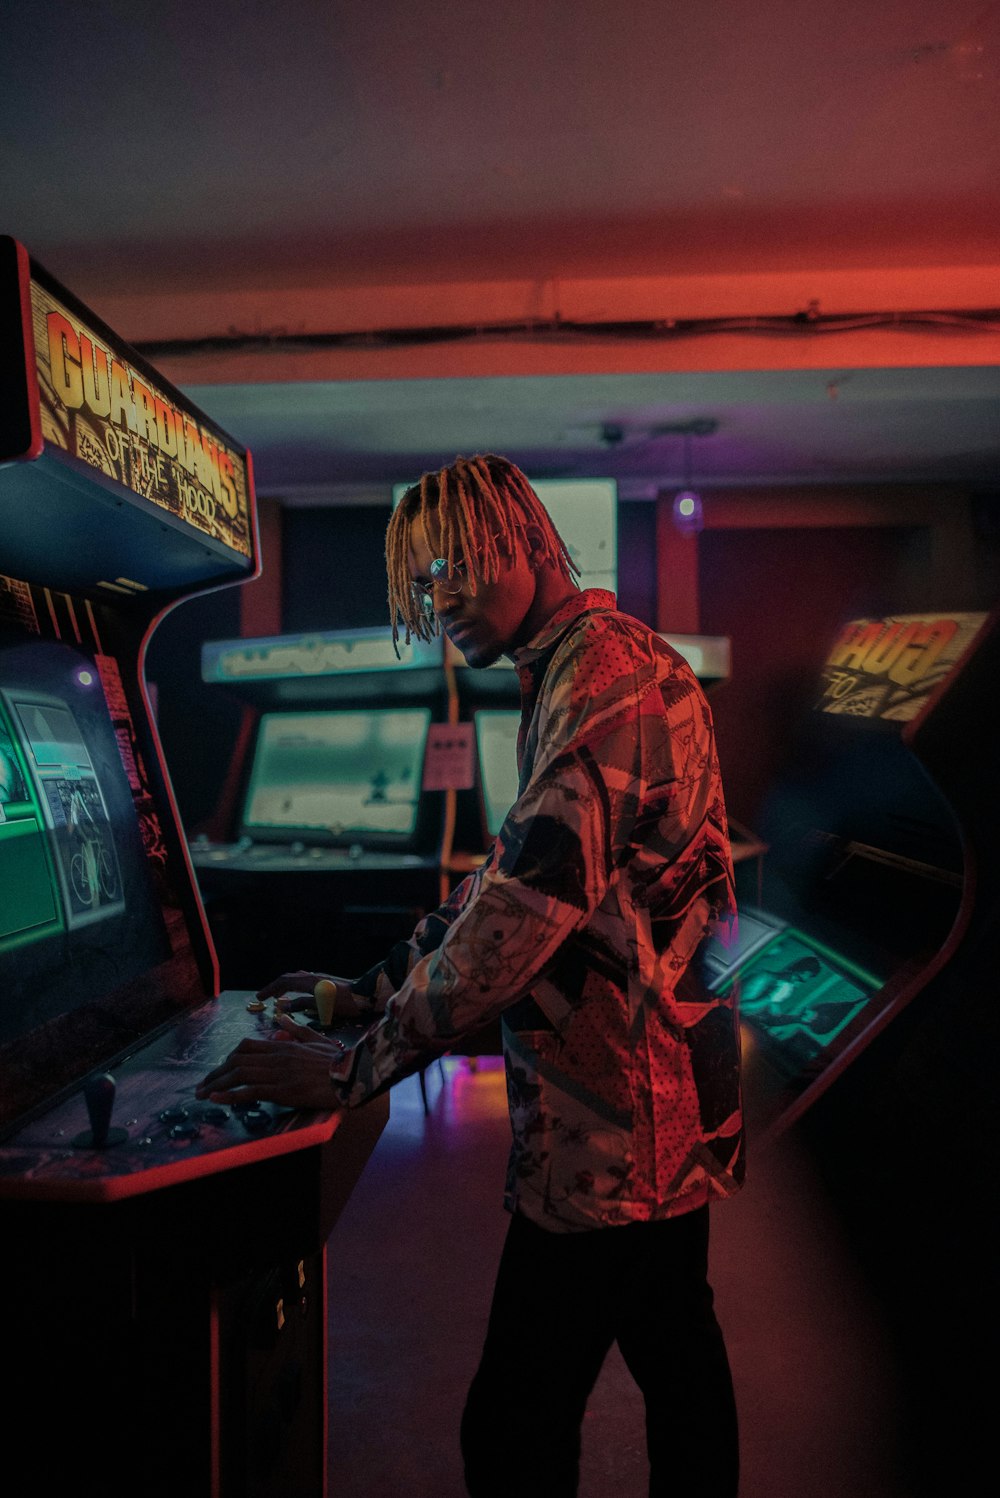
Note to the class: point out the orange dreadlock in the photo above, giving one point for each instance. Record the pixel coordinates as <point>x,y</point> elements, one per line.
<point>483,506</point>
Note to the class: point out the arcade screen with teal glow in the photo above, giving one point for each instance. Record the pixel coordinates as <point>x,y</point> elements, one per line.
<point>800,996</point>
<point>338,776</point>
<point>754,929</point>
<point>81,916</point>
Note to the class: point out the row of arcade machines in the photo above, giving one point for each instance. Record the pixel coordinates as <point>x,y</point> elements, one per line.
<point>365,786</point>
<point>162,1261</point>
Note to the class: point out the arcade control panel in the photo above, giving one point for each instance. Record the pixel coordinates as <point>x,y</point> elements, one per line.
<point>139,1126</point>
<point>248,856</point>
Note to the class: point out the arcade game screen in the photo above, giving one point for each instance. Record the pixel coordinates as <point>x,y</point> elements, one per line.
<point>496,744</point>
<point>754,929</point>
<point>584,512</point>
<point>338,775</point>
<point>82,920</point>
<point>800,997</point>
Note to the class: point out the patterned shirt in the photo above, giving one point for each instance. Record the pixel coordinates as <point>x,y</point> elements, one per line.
<point>585,930</point>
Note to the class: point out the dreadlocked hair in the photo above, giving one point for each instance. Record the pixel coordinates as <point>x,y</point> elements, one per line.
<point>483,506</point>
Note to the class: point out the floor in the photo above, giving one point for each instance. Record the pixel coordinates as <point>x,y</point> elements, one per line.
<point>411,1266</point>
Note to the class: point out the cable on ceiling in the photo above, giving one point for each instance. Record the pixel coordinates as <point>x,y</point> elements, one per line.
<point>556,329</point>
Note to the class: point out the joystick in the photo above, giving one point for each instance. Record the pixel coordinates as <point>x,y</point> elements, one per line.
<point>99,1095</point>
<point>325,995</point>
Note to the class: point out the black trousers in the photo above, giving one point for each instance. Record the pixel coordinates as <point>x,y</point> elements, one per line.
<point>561,1300</point>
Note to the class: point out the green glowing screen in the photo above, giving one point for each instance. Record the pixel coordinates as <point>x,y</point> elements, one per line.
<point>802,996</point>
<point>343,773</point>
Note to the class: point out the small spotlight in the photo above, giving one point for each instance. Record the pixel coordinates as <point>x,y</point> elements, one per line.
<point>85,678</point>
<point>688,515</point>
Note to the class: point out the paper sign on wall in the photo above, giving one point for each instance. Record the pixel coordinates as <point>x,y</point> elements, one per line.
<point>449,761</point>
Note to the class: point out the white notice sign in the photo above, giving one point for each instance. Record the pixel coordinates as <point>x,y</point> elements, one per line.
<point>449,762</point>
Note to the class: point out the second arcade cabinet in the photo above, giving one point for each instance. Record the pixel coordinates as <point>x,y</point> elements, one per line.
<point>877,869</point>
<point>326,846</point>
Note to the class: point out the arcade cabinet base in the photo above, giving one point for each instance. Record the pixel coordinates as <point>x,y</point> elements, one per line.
<point>165,1300</point>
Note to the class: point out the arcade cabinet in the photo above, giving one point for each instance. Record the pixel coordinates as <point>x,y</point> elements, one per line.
<point>868,995</point>
<point>325,848</point>
<point>869,879</point>
<point>162,1260</point>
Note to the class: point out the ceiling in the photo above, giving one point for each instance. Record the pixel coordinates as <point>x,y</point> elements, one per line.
<point>367,237</point>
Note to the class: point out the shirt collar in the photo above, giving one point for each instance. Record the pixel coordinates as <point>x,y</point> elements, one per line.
<point>565,615</point>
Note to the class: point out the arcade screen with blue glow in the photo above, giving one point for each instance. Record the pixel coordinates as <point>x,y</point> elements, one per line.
<point>338,776</point>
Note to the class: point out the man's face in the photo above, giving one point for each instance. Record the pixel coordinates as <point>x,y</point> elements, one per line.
<point>493,621</point>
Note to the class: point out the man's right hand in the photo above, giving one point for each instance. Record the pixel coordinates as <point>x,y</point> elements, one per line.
<point>297,991</point>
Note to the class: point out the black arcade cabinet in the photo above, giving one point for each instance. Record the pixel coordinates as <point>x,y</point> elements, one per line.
<point>877,866</point>
<point>869,1001</point>
<point>162,1261</point>
<point>326,846</point>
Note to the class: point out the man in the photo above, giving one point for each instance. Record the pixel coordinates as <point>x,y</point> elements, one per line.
<point>584,931</point>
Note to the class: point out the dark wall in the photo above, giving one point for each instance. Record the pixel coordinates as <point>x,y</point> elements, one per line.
<point>334,562</point>
<point>781,596</point>
<point>637,559</point>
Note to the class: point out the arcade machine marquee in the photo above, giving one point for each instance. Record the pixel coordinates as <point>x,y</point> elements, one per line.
<point>141,1218</point>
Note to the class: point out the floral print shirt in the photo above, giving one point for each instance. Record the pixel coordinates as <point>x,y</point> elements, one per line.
<point>584,931</point>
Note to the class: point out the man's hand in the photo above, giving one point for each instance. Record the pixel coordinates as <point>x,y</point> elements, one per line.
<point>298,990</point>
<point>293,1070</point>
